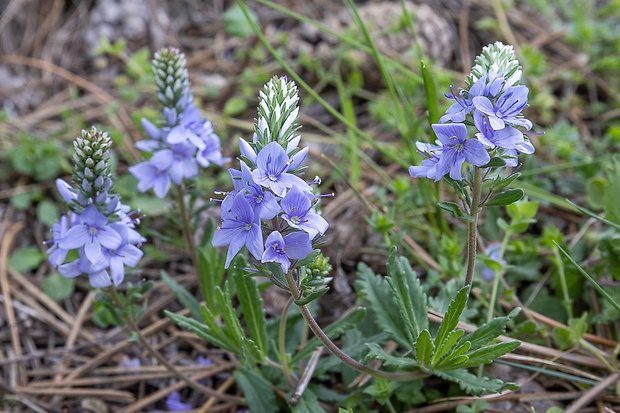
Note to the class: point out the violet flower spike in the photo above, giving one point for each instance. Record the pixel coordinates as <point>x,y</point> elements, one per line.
<point>241,227</point>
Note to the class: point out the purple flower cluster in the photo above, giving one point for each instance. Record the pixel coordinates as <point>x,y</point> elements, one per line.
<point>99,228</point>
<point>268,189</point>
<point>179,148</point>
<point>495,104</point>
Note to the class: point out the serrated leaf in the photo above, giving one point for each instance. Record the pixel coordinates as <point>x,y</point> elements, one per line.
<point>489,331</point>
<point>312,296</point>
<point>184,297</point>
<point>444,348</point>
<point>506,198</point>
<point>424,349</point>
<point>504,182</point>
<point>488,354</point>
<point>471,383</point>
<point>377,295</point>
<point>376,352</point>
<point>452,316</point>
<point>451,207</point>
<point>409,295</point>
<point>210,272</point>
<point>250,353</point>
<point>455,358</point>
<point>332,331</point>
<point>232,328</point>
<point>257,391</point>
<point>203,331</point>
<point>253,310</point>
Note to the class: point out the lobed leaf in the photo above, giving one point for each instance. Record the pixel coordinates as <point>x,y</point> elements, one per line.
<point>257,391</point>
<point>486,355</point>
<point>452,316</point>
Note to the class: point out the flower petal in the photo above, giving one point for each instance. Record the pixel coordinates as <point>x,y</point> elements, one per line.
<point>475,153</point>
<point>100,279</point>
<point>298,245</point>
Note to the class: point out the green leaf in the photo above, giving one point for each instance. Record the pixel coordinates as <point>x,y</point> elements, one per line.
<point>314,294</point>
<point>48,213</point>
<point>211,273</point>
<point>188,300</point>
<point>453,208</point>
<point>409,295</point>
<point>455,358</point>
<point>452,316</point>
<point>374,351</point>
<point>506,198</point>
<point>58,287</point>
<point>568,337</point>
<point>502,183</point>
<point>250,353</point>
<point>471,383</point>
<point>424,349</point>
<point>203,331</point>
<point>257,391</point>
<point>488,354</point>
<point>308,403</point>
<point>377,295</point>
<point>488,332</point>
<point>253,310</point>
<point>235,23</point>
<point>444,348</point>
<point>232,328</point>
<point>333,330</point>
<point>611,199</point>
<point>26,259</point>
<point>495,162</point>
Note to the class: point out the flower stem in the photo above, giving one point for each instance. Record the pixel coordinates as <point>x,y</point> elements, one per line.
<point>472,226</point>
<point>498,276</point>
<point>335,350</point>
<point>175,372</point>
<point>567,301</point>
<point>187,233</point>
<point>281,344</point>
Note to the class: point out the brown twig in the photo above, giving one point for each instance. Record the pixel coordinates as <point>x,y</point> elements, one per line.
<point>5,247</point>
<point>592,393</point>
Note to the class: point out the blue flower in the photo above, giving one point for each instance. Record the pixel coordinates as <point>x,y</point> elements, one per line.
<point>173,403</point>
<point>299,213</point>
<point>508,106</point>
<point>296,246</point>
<point>66,191</point>
<point>240,227</point>
<point>463,105</point>
<point>272,164</point>
<point>428,169</point>
<point>211,153</point>
<point>58,255</point>
<point>126,255</point>
<point>492,251</point>
<point>153,174</point>
<point>93,232</point>
<point>456,150</point>
<point>192,126</point>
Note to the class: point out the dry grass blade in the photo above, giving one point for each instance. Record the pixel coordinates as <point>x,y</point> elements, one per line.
<point>592,393</point>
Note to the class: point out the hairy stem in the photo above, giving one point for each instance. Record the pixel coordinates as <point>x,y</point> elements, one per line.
<point>175,372</point>
<point>472,226</point>
<point>335,350</point>
<point>187,233</point>
<point>281,344</point>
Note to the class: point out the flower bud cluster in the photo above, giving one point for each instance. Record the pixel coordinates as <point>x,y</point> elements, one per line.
<point>99,227</point>
<point>269,197</point>
<point>185,140</point>
<point>493,104</point>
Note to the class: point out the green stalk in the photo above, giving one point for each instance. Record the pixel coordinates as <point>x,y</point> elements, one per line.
<point>566,301</point>
<point>472,226</point>
<point>335,350</point>
<point>175,372</point>
<point>281,344</point>
<point>187,233</point>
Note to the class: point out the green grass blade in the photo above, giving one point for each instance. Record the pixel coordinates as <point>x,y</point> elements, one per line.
<point>589,278</point>
<point>593,215</point>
